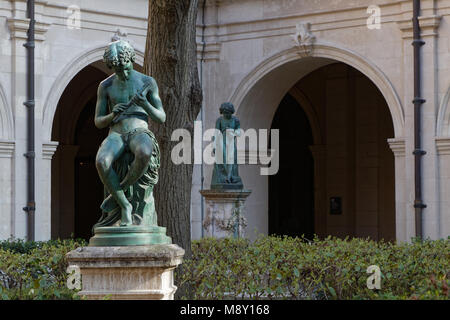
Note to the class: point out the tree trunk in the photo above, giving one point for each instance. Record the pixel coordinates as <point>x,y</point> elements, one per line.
<point>171,59</point>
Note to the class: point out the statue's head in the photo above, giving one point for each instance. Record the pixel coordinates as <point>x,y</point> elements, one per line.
<point>226,108</point>
<point>120,56</point>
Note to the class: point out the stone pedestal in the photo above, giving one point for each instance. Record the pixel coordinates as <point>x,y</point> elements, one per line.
<point>127,272</point>
<point>224,216</point>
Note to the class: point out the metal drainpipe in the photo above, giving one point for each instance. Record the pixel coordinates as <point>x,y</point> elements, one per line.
<point>418,101</point>
<point>30,154</point>
<point>202,178</point>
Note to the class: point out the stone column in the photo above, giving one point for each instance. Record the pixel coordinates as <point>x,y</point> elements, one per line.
<point>429,25</point>
<point>404,225</point>
<point>44,191</point>
<point>127,273</point>
<point>443,152</point>
<point>18,25</point>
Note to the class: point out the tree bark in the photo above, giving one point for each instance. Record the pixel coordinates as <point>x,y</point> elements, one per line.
<point>171,59</point>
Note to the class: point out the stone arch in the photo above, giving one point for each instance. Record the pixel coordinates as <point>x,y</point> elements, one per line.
<point>6,117</point>
<point>65,76</point>
<point>443,120</point>
<point>281,71</point>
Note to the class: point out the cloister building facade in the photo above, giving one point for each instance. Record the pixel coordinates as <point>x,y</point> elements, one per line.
<point>335,77</point>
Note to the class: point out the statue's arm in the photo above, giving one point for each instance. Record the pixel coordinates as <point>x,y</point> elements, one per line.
<point>152,102</point>
<point>218,127</point>
<point>218,124</point>
<point>102,117</point>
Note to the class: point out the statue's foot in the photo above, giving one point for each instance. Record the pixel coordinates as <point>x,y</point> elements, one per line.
<point>126,219</point>
<point>109,204</point>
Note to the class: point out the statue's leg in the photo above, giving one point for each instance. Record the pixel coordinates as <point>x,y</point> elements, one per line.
<point>227,166</point>
<point>109,151</point>
<point>229,170</point>
<point>141,146</point>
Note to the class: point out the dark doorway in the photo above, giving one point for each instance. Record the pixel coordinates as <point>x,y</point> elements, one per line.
<point>88,187</point>
<point>291,190</point>
<point>76,189</point>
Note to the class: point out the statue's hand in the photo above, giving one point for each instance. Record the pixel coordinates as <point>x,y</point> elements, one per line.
<point>120,107</point>
<point>139,99</point>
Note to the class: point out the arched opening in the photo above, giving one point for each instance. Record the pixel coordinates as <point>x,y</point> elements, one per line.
<point>352,110</point>
<point>353,175</point>
<point>76,189</point>
<point>291,190</point>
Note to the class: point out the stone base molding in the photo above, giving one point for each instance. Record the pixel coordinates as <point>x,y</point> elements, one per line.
<point>127,273</point>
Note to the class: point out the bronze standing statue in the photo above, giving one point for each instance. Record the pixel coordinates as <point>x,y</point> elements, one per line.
<point>128,159</point>
<point>226,172</point>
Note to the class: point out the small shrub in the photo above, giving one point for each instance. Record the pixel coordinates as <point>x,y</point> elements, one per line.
<point>35,270</point>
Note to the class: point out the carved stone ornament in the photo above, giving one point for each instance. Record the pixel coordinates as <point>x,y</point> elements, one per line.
<point>119,35</point>
<point>303,38</point>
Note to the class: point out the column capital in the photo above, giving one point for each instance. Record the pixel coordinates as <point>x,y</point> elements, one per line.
<point>442,145</point>
<point>19,27</point>
<point>48,149</point>
<point>397,146</point>
<point>7,148</point>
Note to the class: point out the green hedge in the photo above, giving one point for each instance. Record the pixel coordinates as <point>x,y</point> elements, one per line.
<point>293,268</point>
<point>269,268</point>
<point>35,270</point>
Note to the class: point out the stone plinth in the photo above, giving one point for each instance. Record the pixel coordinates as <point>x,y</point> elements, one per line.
<point>224,212</point>
<point>129,236</point>
<point>127,272</point>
